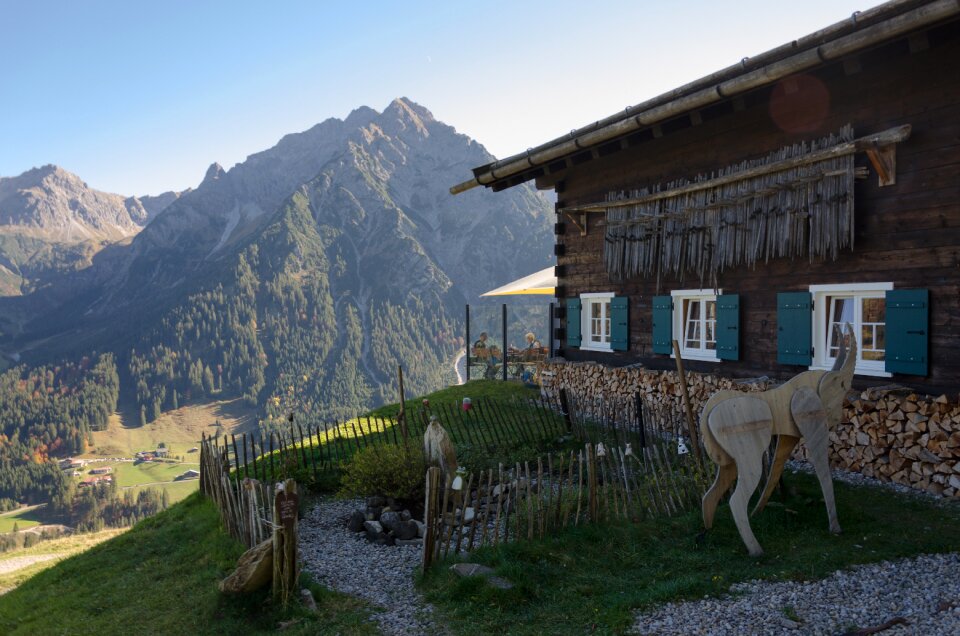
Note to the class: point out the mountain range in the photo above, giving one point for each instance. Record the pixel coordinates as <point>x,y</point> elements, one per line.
<point>299,278</point>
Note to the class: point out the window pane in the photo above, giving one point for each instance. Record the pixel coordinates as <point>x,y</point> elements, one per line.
<point>874,310</point>
<point>606,322</point>
<point>692,324</point>
<point>595,335</point>
<point>840,313</point>
<point>710,324</point>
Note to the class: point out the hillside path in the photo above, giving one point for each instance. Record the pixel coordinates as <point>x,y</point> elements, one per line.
<point>382,575</point>
<point>15,563</point>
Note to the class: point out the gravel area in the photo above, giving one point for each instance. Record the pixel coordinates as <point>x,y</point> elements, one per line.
<point>382,575</point>
<point>925,591</point>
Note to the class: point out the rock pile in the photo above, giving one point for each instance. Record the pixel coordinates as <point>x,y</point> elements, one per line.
<point>384,523</point>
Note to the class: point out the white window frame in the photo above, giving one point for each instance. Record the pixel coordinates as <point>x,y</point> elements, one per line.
<point>677,297</point>
<point>586,302</point>
<point>821,353</point>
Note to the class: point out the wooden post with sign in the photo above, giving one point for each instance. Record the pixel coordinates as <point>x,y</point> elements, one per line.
<point>286,503</point>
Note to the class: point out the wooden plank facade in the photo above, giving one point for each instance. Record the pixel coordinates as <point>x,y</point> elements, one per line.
<point>906,234</point>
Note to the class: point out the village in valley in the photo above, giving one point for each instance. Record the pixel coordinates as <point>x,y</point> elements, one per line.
<point>691,368</point>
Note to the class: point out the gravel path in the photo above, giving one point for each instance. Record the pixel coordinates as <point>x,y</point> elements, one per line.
<point>925,591</point>
<point>382,575</point>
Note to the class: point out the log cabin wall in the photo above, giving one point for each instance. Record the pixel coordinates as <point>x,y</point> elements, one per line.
<point>907,233</point>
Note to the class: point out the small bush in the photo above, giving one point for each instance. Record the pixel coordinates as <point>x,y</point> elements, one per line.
<point>387,471</point>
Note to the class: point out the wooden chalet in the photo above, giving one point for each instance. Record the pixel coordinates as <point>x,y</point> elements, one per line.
<point>747,213</point>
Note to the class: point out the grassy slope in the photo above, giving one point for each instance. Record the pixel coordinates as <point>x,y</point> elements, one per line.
<point>23,518</point>
<point>591,579</point>
<point>57,548</point>
<point>160,578</point>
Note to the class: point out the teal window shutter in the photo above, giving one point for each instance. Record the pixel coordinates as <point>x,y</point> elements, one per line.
<point>794,326</point>
<point>619,323</point>
<point>573,322</point>
<point>907,342</point>
<point>663,324</point>
<point>728,326</point>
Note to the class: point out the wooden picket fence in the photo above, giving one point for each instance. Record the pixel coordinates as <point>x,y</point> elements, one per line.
<point>311,452</point>
<point>595,484</point>
<point>244,505</point>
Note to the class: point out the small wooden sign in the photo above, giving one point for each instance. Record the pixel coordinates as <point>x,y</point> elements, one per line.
<point>286,505</point>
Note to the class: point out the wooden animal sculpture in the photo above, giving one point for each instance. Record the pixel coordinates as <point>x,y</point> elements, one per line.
<point>736,429</point>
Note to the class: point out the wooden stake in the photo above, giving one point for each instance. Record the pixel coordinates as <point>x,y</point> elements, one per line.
<point>691,422</point>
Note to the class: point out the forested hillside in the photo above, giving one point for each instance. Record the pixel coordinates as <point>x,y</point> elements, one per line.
<point>48,412</point>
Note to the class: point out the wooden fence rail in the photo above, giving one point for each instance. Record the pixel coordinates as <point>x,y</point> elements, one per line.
<point>597,483</point>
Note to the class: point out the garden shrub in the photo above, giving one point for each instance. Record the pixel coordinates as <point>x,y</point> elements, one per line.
<point>395,471</point>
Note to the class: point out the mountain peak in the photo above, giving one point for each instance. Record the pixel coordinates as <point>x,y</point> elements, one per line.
<point>214,172</point>
<point>407,109</point>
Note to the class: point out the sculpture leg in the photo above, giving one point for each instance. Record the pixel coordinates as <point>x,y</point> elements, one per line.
<point>726,473</point>
<point>815,437</point>
<point>785,446</point>
<point>749,467</point>
<point>811,421</point>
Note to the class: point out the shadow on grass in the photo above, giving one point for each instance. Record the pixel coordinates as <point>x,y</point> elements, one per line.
<point>593,578</point>
<point>161,578</point>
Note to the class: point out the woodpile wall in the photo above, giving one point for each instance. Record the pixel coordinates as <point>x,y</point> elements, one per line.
<point>887,434</point>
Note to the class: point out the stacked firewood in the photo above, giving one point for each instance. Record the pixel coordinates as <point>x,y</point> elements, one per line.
<point>887,434</point>
<point>902,437</point>
<point>659,389</point>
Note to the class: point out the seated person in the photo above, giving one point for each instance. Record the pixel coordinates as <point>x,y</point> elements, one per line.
<point>534,348</point>
<point>480,347</point>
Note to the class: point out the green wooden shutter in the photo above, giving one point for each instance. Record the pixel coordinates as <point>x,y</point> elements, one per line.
<point>619,323</point>
<point>794,325</point>
<point>663,324</point>
<point>573,322</point>
<point>907,330</point>
<point>728,327</point>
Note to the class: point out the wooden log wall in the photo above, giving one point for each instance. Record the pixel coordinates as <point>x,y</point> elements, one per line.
<point>907,233</point>
<point>892,434</point>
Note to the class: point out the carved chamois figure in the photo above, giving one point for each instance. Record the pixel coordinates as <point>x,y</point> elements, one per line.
<point>737,428</point>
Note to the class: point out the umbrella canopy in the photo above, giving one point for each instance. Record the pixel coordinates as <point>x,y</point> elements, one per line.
<point>542,283</point>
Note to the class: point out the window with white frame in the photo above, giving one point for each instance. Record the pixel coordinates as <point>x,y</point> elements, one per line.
<point>695,323</point>
<point>595,321</point>
<point>863,306</point>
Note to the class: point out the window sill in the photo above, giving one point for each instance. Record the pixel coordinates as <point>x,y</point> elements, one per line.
<point>875,373</point>
<point>596,348</point>
<point>697,357</point>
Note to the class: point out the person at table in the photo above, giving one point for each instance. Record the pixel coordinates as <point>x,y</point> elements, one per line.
<point>533,348</point>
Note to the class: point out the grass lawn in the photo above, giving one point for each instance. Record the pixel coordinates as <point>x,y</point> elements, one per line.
<point>180,429</point>
<point>493,389</point>
<point>11,575</point>
<point>591,579</point>
<point>160,578</point>
<point>133,474</point>
<point>23,518</point>
<point>176,491</point>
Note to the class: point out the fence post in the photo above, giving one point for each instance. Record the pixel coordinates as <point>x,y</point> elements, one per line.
<point>285,574</point>
<point>429,516</point>
<point>691,423</point>
<point>638,401</point>
<point>466,365</point>
<point>565,409</point>
<point>503,354</point>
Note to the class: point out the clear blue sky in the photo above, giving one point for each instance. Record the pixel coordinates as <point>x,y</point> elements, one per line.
<point>138,97</point>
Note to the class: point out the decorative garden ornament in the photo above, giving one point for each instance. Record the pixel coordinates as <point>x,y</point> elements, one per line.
<point>681,447</point>
<point>737,428</point>
<point>466,404</point>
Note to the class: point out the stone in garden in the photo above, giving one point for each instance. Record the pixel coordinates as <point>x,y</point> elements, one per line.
<point>468,515</point>
<point>405,530</point>
<point>373,513</point>
<point>373,527</point>
<point>406,516</point>
<point>376,502</point>
<point>786,623</point>
<point>254,570</point>
<point>421,528</point>
<point>499,583</point>
<point>389,520</point>
<point>470,569</point>
<point>355,523</point>
<point>417,541</point>
<point>306,599</point>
